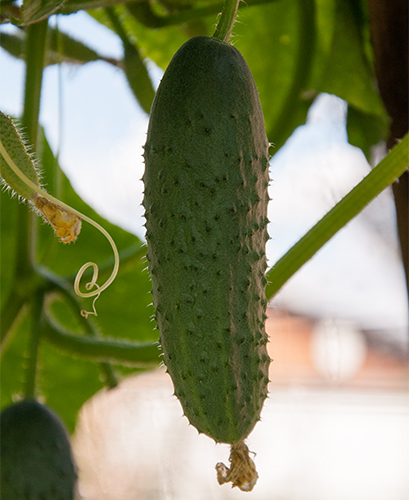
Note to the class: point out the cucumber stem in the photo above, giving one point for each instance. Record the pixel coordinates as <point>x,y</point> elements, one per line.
<point>36,330</point>
<point>226,20</point>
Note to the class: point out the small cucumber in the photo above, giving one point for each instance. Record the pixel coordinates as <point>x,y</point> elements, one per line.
<point>205,199</point>
<point>36,458</point>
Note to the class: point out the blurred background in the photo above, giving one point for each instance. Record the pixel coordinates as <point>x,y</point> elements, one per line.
<point>335,425</point>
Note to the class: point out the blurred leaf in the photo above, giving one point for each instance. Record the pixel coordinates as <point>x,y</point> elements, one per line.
<point>269,37</point>
<point>64,383</point>
<point>365,130</point>
<point>36,10</point>
<point>348,73</point>
<point>135,70</point>
<point>278,40</point>
<point>67,383</point>
<point>138,78</point>
<point>60,48</point>
<point>67,49</point>
<point>158,45</point>
<point>13,43</point>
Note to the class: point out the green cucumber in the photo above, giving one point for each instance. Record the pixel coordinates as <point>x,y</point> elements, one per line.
<point>205,198</point>
<point>36,458</point>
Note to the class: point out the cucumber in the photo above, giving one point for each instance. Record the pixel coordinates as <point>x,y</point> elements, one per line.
<point>205,199</point>
<point>36,458</point>
<point>15,147</point>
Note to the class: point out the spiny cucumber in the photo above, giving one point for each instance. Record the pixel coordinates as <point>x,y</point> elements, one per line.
<point>205,200</point>
<point>36,458</point>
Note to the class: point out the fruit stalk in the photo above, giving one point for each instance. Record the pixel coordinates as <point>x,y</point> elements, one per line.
<point>226,21</point>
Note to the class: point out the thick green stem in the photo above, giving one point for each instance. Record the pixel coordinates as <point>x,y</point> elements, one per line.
<point>24,273</point>
<point>226,21</point>
<point>35,52</point>
<point>125,353</point>
<point>382,176</point>
<point>35,334</point>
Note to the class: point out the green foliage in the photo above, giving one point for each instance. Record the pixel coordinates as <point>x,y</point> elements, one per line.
<point>294,48</point>
<point>117,314</point>
<point>36,10</point>
<point>60,48</point>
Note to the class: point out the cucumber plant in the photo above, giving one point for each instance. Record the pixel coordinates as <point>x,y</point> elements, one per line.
<point>205,201</point>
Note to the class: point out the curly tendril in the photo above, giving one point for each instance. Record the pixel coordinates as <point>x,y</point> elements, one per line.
<point>67,228</point>
<point>93,283</point>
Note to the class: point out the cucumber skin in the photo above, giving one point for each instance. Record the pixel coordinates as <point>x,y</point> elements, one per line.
<point>205,199</point>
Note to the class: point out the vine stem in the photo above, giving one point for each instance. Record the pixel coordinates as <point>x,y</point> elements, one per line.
<point>34,57</point>
<point>82,270</point>
<point>31,370</point>
<point>378,179</point>
<point>226,21</point>
<point>102,350</point>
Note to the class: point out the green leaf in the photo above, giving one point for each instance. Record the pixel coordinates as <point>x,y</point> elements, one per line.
<point>280,56</point>
<point>138,78</point>
<point>64,383</point>
<point>123,309</point>
<point>158,45</point>
<point>13,43</point>
<point>64,48</point>
<point>60,48</point>
<point>348,73</point>
<point>365,130</point>
<point>278,40</point>
<point>134,67</point>
<point>36,10</point>
<point>67,383</point>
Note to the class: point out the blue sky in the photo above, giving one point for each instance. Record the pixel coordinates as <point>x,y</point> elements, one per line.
<point>91,117</point>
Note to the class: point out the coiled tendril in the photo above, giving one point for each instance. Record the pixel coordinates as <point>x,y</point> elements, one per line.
<point>62,220</point>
